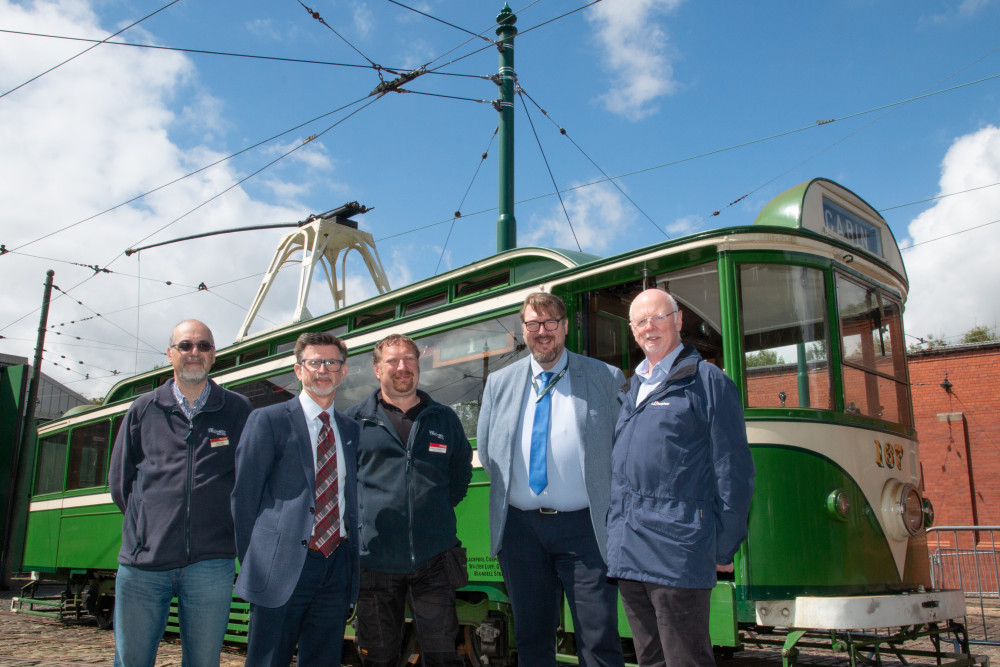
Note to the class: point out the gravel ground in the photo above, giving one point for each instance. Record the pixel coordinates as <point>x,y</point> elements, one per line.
<point>27,640</point>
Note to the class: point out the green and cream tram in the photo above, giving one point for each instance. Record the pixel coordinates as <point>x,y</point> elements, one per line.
<point>802,309</point>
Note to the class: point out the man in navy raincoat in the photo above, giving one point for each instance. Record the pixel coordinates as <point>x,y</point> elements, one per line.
<point>682,479</point>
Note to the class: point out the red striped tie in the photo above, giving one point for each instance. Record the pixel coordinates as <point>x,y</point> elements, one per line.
<point>326,533</point>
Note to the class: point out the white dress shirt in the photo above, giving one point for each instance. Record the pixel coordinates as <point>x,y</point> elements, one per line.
<point>311,410</point>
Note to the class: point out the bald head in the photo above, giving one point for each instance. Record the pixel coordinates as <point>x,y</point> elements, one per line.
<point>191,365</point>
<point>655,320</point>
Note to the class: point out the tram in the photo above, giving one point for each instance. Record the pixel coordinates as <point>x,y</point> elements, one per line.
<point>802,309</point>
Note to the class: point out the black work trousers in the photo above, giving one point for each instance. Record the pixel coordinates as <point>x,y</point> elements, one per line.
<point>381,621</point>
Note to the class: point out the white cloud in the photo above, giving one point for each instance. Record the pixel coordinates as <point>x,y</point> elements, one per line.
<point>637,54</point>
<point>599,218</point>
<point>953,280</point>
<point>98,131</point>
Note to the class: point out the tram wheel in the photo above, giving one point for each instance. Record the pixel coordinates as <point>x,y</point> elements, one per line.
<point>101,607</point>
<point>472,649</point>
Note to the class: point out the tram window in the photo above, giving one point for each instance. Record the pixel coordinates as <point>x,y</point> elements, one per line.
<point>374,317</point>
<point>784,317</point>
<point>223,363</point>
<point>875,375</point>
<point>254,354</point>
<point>454,365</point>
<point>426,303</point>
<point>88,456</point>
<point>268,391</point>
<point>51,464</point>
<point>480,284</point>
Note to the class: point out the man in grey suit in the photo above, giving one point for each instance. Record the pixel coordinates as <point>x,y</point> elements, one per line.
<point>545,433</point>
<point>295,507</point>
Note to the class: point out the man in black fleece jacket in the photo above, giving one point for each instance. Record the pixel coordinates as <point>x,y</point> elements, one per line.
<point>172,472</point>
<point>414,466</point>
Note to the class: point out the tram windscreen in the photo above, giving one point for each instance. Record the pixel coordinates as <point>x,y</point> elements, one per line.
<point>784,318</point>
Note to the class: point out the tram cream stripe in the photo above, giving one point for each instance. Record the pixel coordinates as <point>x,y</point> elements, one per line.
<point>70,502</point>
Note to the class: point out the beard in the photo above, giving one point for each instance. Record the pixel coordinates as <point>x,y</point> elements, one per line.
<point>323,389</point>
<point>404,383</point>
<point>193,373</point>
<point>544,354</point>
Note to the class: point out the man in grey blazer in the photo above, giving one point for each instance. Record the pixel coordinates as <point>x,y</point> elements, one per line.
<point>295,508</point>
<point>545,432</point>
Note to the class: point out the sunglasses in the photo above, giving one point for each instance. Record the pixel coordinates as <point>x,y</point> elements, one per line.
<point>187,346</point>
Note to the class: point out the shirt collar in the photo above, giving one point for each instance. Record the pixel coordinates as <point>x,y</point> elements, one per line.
<point>659,371</point>
<point>188,408</point>
<point>310,408</point>
<point>536,368</point>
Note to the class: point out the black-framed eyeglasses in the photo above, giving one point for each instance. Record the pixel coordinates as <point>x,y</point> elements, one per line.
<point>655,319</point>
<point>316,364</point>
<point>187,346</point>
<point>550,325</point>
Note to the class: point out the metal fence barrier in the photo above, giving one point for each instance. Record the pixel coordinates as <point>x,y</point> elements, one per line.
<point>965,558</point>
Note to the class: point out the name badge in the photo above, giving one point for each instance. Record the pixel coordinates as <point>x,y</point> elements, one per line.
<point>219,442</point>
<point>438,448</point>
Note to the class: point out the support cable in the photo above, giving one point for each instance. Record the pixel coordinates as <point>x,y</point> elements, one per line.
<point>458,211</point>
<point>613,182</point>
<point>551,176</point>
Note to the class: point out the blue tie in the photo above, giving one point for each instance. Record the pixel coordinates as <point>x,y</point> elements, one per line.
<point>538,477</point>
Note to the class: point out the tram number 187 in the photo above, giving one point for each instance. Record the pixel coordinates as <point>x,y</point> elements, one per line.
<point>888,455</point>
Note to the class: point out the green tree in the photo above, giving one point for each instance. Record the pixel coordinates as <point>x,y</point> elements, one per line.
<point>763,358</point>
<point>979,334</point>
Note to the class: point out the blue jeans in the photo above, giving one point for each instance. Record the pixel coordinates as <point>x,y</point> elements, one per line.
<point>204,592</point>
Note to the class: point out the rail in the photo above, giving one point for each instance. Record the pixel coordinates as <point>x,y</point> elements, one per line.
<point>966,558</point>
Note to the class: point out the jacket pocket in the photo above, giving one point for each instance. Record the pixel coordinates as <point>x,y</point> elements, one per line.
<point>259,558</point>
<point>134,528</point>
<point>681,522</point>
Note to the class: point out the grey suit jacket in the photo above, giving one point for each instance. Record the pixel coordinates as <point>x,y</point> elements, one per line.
<point>273,502</point>
<point>595,388</point>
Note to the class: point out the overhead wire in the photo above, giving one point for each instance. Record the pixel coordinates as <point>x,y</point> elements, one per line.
<point>90,48</point>
<point>607,178</point>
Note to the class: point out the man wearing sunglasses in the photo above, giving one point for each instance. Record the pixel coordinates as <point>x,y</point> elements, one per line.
<point>544,438</point>
<point>172,471</point>
<point>295,506</point>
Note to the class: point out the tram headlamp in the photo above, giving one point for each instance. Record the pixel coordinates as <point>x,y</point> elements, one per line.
<point>903,510</point>
<point>928,513</point>
<point>838,504</point>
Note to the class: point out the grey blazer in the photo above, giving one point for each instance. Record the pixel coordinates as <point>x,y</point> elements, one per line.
<point>595,388</point>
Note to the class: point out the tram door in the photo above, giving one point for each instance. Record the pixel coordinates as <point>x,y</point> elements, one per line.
<point>604,332</point>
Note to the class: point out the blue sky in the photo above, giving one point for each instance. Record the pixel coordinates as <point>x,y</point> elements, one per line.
<point>696,105</point>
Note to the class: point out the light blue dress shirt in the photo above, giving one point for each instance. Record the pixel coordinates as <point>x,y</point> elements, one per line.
<point>653,379</point>
<point>566,490</point>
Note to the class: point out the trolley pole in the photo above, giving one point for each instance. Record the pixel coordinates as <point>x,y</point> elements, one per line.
<point>506,78</point>
<point>13,553</point>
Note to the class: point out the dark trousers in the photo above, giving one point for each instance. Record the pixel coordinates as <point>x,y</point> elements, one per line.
<point>381,608</point>
<point>543,555</point>
<point>669,624</point>
<point>314,617</point>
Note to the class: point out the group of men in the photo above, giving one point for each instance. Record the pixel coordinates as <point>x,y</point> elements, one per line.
<point>598,487</point>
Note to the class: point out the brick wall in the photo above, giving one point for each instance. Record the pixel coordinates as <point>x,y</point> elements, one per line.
<point>948,447</point>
